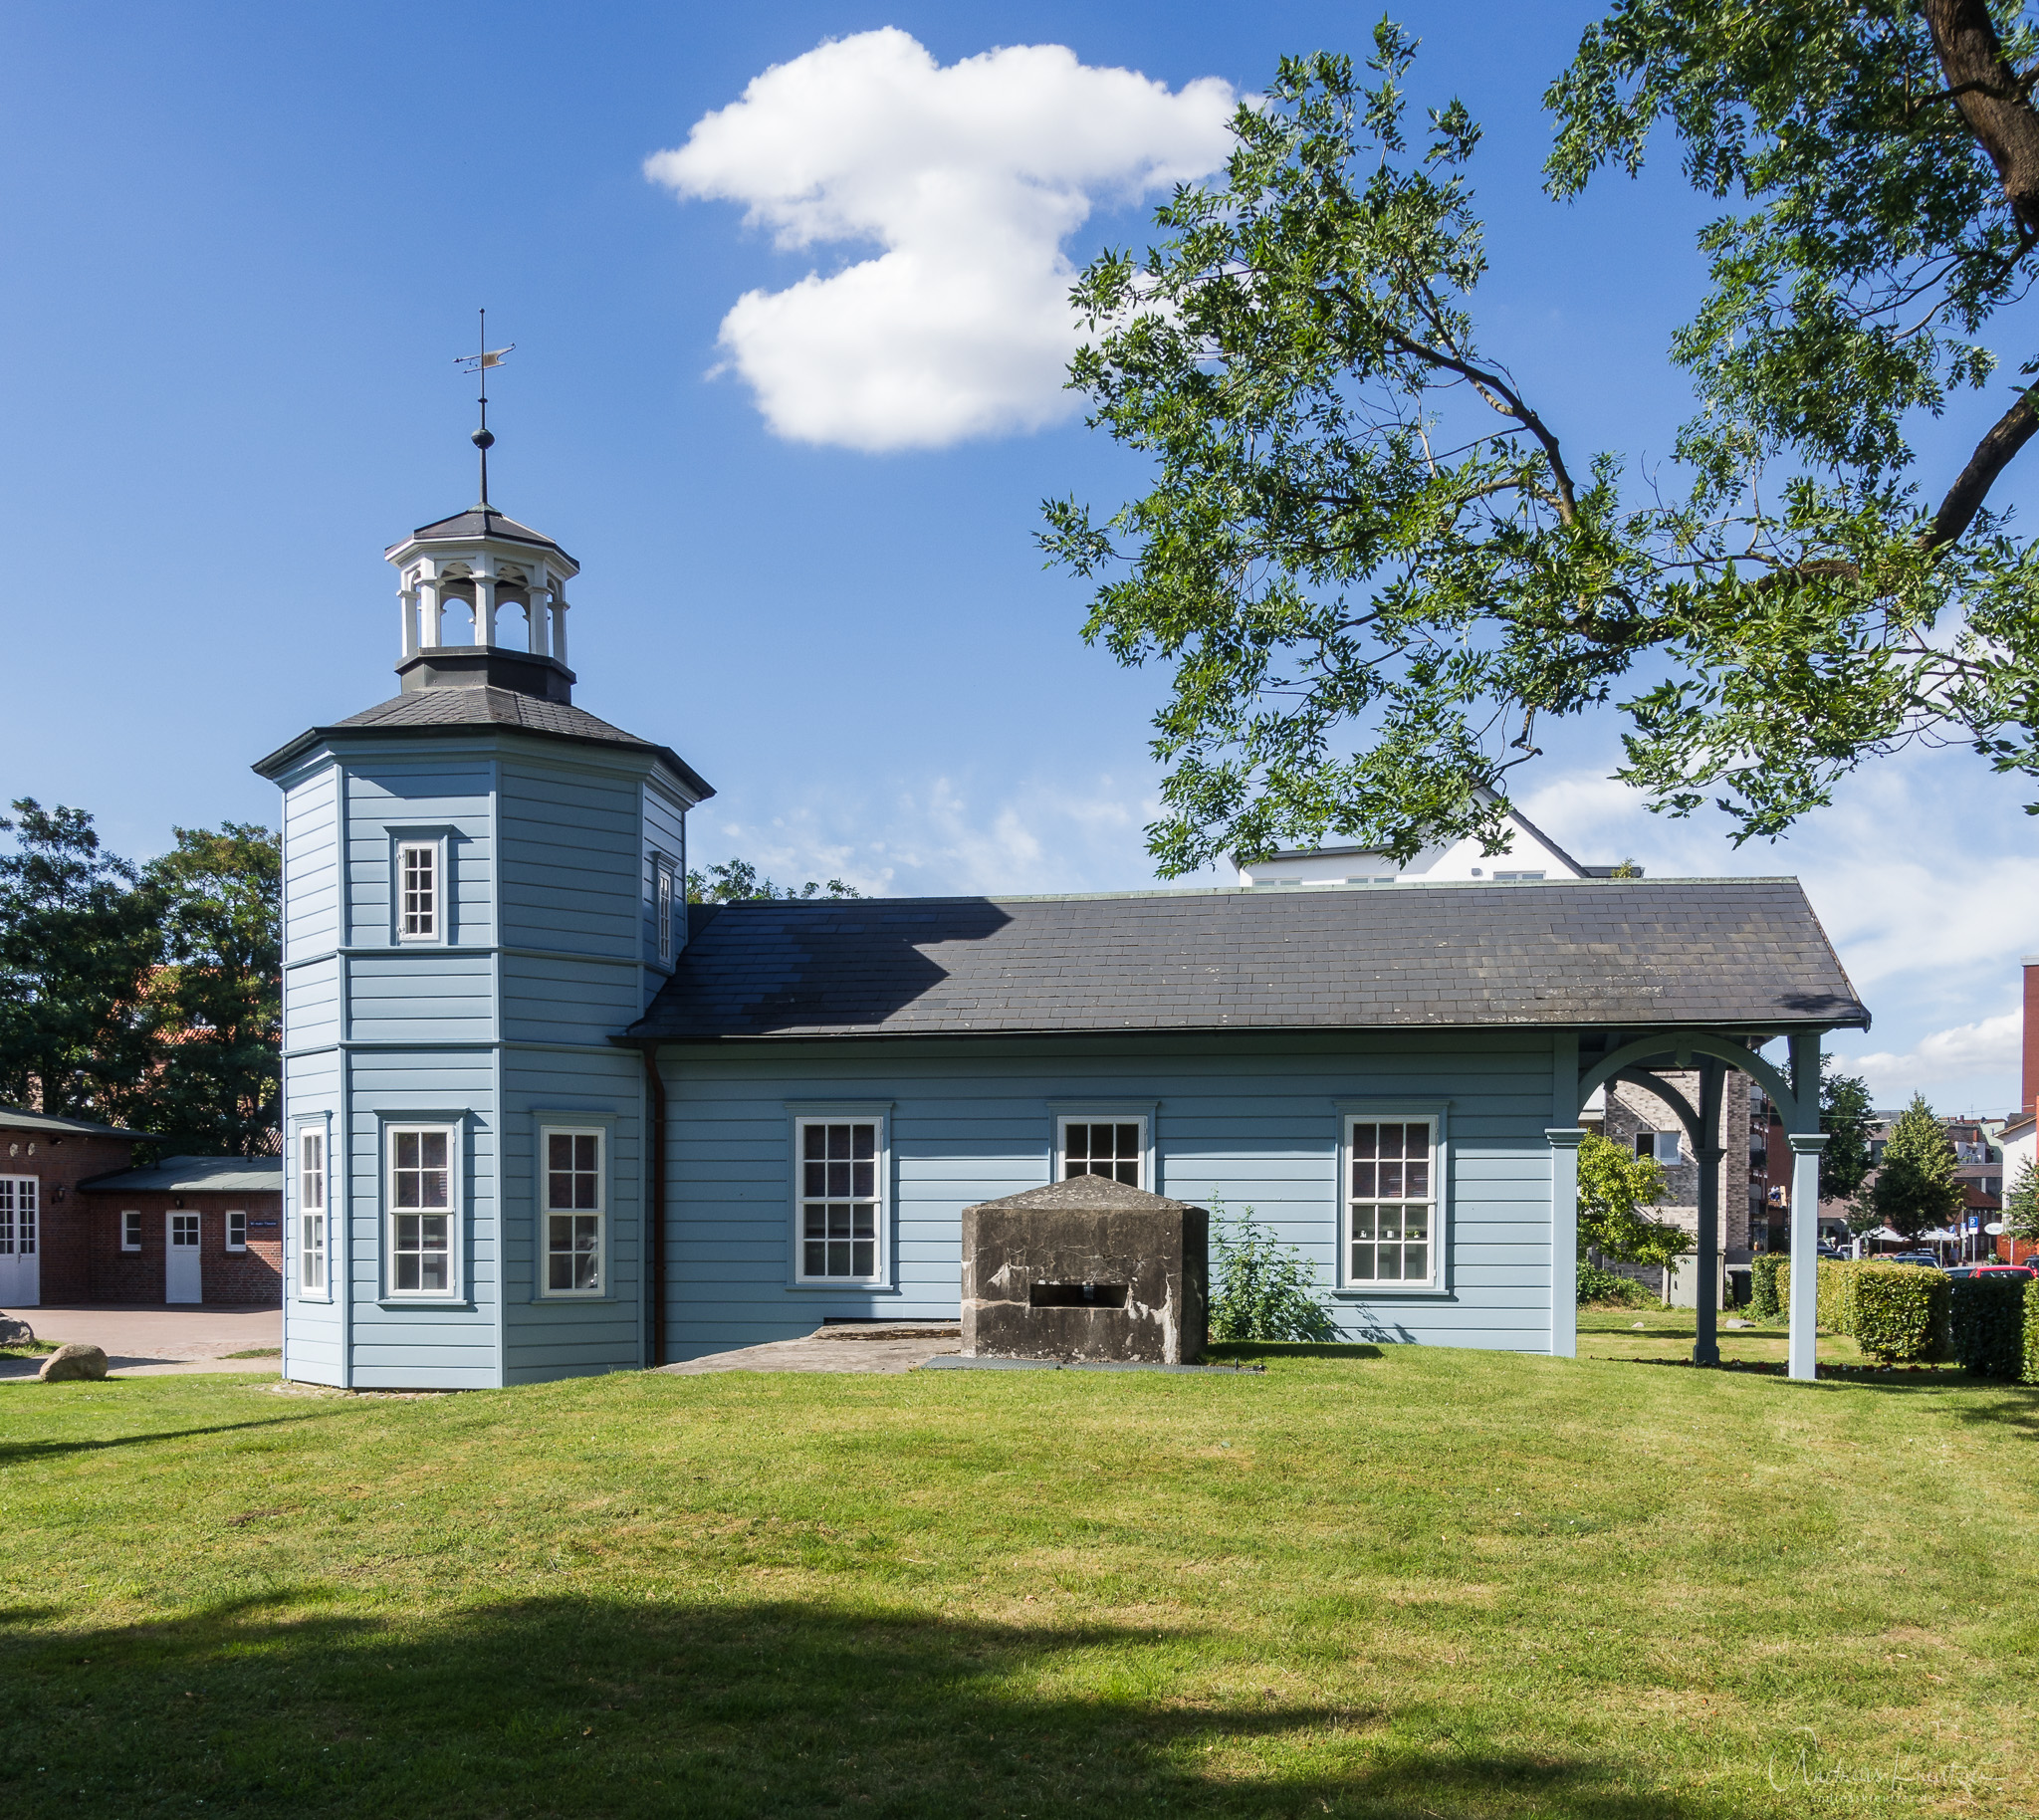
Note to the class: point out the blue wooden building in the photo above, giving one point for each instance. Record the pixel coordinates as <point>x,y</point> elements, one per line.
<point>544,1118</point>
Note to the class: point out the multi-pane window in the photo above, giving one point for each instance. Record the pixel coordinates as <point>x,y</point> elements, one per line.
<point>838,1198</point>
<point>662,890</point>
<point>130,1229</point>
<point>417,890</point>
<point>1095,1147</point>
<point>1658,1146</point>
<point>237,1231</point>
<point>574,1210</point>
<point>312,1211</point>
<point>19,1199</point>
<point>421,1212</point>
<point>1391,1202</point>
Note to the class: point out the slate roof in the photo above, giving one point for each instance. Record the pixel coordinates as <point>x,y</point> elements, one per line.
<point>1746,954</point>
<point>462,710</point>
<point>195,1175</point>
<point>475,523</point>
<point>15,1118</point>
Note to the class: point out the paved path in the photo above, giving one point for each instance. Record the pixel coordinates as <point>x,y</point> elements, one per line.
<point>160,1342</point>
<point>880,1350</point>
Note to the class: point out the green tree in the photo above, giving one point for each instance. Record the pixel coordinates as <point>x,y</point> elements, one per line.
<point>1914,1187</point>
<point>2021,1206</point>
<point>1615,1185</point>
<point>77,942</point>
<point>737,881</point>
<point>1847,1118</point>
<point>1369,558</point>
<point>216,1001</point>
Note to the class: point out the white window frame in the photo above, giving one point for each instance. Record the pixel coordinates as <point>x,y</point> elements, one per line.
<point>237,1215</point>
<point>393,1130</point>
<point>801,1119</point>
<point>21,1232</point>
<point>1106,1115</point>
<point>314,1284</point>
<point>599,1291</point>
<point>1404,1112</point>
<point>664,907</point>
<point>130,1228</point>
<point>406,845</point>
<point>1663,1147</point>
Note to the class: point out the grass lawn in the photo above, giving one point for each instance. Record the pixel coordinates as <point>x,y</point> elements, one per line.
<point>1427,1583</point>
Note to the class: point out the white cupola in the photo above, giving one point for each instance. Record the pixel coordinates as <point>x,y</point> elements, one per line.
<point>474,576</point>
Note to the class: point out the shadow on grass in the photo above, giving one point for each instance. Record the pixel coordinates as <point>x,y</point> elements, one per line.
<point>21,1453</point>
<point>571,1705</point>
<point>1221,1350</point>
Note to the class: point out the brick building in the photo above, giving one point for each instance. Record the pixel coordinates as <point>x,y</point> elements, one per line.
<point>189,1230</point>
<point>80,1223</point>
<point>45,1245</point>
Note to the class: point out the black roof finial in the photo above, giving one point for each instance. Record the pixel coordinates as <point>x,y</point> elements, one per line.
<point>479,362</point>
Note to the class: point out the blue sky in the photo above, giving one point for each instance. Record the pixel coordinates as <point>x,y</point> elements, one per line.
<point>243,243</point>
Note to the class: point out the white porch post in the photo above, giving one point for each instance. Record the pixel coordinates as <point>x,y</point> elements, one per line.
<point>1807,1141</point>
<point>1805,1249</point>
<point>1564,1239</point>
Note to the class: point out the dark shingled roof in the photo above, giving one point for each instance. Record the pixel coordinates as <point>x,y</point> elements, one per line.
<point>475,523</point>
<point>454,709</point>
<point>1748,954</point>
<point>19,1118</point>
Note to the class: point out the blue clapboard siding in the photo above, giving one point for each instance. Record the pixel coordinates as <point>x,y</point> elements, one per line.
<point>504,1021</point>
<point>1247,1122</point>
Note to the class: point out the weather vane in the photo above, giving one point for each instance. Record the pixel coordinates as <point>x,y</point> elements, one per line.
<point>480,363</point>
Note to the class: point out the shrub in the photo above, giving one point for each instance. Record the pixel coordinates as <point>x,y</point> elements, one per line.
<point>1597,1285</point>
<point>2030,1375</point>
<point>1986,1318</point>
<point>1900,1312</point>
<point>1838,1281</point>
<point>1766,1299</point>
<point>1265,1291</point>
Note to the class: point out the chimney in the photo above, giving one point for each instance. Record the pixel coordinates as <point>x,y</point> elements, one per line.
<point>2029,1087</point>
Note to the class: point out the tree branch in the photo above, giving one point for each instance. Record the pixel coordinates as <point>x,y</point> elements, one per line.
<point>1992,455</point>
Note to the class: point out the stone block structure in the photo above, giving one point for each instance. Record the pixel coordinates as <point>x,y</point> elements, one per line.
<point>1089,1269</point>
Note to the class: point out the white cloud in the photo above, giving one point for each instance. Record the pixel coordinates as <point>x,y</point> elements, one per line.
<point>1987,1050</point>
<point>968,179</point>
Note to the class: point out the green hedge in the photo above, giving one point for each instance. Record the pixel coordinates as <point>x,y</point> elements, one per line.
<point>1988,1319</point>
<point>1900,1312</point>
<point>1765,1301</point>
<point>2031,1372</point>
<point>1838,1284</point>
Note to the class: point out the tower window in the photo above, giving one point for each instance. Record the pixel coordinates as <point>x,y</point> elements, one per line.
<point>573,1212</point>
<point>312,1211</point>
<point>417,907</point>
<point>662,911</point>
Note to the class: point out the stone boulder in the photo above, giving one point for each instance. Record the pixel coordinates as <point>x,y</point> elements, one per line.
<point>15,1332</point>
<point>74,1361</point>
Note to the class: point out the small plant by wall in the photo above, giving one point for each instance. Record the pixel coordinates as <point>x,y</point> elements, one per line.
<point>1264,1289</point>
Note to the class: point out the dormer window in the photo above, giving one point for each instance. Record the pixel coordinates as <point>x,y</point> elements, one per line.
<point>418,888</point>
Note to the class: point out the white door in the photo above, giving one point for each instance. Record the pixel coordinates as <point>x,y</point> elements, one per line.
<point>21,1281</point>
<point>181,1259</point>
